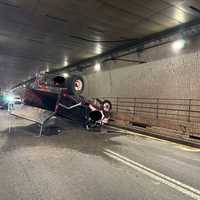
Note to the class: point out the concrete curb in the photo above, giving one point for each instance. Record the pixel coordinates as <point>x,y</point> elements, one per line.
<point>162,137</point>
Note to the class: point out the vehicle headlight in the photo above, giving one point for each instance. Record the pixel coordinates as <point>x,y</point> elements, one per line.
<point>10,99</point>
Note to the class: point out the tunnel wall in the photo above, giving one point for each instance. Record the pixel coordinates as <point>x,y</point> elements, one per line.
<point>172,77</point>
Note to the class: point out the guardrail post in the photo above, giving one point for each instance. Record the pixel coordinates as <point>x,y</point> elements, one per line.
<point>117,103</point>
<point>133,111</point>
<point>189,110</point>
<point>134,106</point>
<point>157,108</point>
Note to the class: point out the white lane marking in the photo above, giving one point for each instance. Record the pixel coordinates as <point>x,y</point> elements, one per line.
<point>177,185</point>
<point>154,172</point>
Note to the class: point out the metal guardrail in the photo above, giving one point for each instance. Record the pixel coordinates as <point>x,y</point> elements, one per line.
<point>158,108</point>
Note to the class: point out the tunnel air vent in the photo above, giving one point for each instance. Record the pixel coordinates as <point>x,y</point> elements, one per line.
<point>196,137</point>
<point>139,124</point>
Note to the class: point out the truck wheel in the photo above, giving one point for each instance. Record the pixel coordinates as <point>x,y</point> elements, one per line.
<point>106,106</point>
<point>75,85</point>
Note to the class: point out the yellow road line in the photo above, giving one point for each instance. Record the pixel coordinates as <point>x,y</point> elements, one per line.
<point>179,146</point>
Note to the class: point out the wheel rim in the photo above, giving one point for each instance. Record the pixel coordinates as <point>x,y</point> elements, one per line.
<point>78,85</point>
<point>106,107</point>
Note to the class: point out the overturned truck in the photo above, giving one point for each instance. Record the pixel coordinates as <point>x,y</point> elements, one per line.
<point>63,97</point>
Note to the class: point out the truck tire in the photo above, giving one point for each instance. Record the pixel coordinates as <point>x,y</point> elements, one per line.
<point>75,85</point>
<point>106,106</point>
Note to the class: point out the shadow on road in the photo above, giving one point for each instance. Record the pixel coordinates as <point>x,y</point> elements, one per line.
<point>62,136</point>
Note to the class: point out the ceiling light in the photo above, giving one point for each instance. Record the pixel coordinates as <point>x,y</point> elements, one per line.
<point>178,45</point>
<point>47,69</point>
<point>98,48</point>
<point>97,67</point>
<point>65,75</point>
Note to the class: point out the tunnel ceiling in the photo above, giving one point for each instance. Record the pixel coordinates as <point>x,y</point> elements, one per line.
<point>40,34</point>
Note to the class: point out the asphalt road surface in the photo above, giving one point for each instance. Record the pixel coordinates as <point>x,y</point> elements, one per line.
<point>70,163</point>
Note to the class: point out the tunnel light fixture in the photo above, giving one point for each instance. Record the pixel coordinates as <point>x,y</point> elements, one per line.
<point>65,75</point>
<point>47,69</point>
<point>97,67</point>
<point>66,61</point>
<point>178,45</point>
<point>98,48</point>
